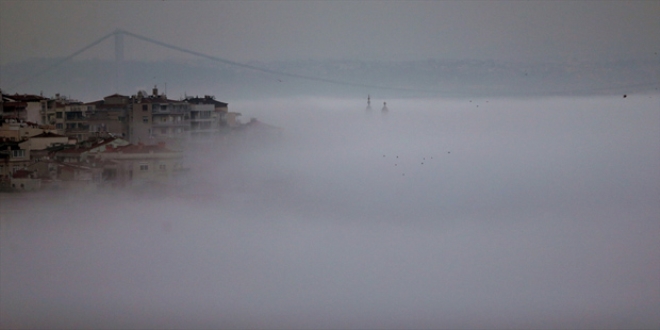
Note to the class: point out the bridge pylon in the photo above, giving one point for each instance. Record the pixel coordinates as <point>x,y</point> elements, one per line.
<point>119,60</point>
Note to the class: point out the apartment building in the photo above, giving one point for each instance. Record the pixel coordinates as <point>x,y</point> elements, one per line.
<point>110,116</point>
<point>25,107</point>
<point>155,118</point>
<point>66,116</point>
<point>140,164</point>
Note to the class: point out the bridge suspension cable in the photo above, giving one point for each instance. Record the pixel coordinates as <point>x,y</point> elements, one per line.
<point>256,68</point>
<point>60,62</point>
<point>119,33</point>
<point>209,57</point>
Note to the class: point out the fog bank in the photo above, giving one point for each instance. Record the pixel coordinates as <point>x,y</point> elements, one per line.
<point>443,213</point>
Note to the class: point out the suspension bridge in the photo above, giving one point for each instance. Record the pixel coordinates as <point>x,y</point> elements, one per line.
<point>119,35</point>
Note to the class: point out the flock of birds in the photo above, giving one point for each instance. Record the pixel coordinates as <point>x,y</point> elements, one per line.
<point>398,161</point>
<point>421,161</point>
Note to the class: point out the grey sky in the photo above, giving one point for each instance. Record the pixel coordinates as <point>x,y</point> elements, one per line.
<point>381,30</point>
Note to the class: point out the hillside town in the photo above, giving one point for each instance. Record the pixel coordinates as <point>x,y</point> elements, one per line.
<point>118,141</point>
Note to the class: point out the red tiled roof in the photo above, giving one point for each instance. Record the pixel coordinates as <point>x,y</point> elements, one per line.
<point>26,97</point>
<point>116,95</point>
<point>102,102</point>
<point>8,116</point>
<point>159,100</point>
<point>103,142</point>
<point>112,106</point>
<point>139,149</point>
<point>15,104</point>
<point>75,166</point>
<point>73,151</point>
<point>21,174</point>
<point>79,149</point>
<point>47,135</point>
<point>205,100</point>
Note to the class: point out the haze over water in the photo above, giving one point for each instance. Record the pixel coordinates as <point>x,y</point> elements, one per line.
<point>444,213</point>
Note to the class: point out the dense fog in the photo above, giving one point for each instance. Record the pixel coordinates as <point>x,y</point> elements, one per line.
<point>442,213</point>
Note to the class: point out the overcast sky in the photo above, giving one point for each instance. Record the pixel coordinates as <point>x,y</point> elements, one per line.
<point>379,30</point>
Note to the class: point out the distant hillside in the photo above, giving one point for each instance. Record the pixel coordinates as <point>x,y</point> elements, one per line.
<point>92,79</point>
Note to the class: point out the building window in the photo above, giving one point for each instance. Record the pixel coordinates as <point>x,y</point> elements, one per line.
<point>145,119</point>
<point>18,153</point>
<point>58,126</point>
<point>162,167</point>
<point>144,167</point>
<point>58,115</point>
<point>145,107</point>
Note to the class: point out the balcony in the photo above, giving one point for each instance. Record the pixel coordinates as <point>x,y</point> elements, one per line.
<point>165,109</point>
<point>195,126</point>
<point>201,120</point>
<point>200,115</point>
<point>77,127</point>
<point>171,123</point>
<point>74,116</point>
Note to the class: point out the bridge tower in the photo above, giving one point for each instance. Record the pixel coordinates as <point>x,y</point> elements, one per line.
<point>119,60</point>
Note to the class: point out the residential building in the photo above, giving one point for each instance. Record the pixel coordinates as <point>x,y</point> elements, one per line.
<point>49,115</point>
<point>15,129</point>
<point>12,158</point>
<point>66,116</point>
<point>156,118</point>
<point>25,107</point>
<point>22,180</point>
<point>87,150</point>
<point>44,140</point>
<point>142,164</point>
<point>110,116</point>
<point>75,120</point>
